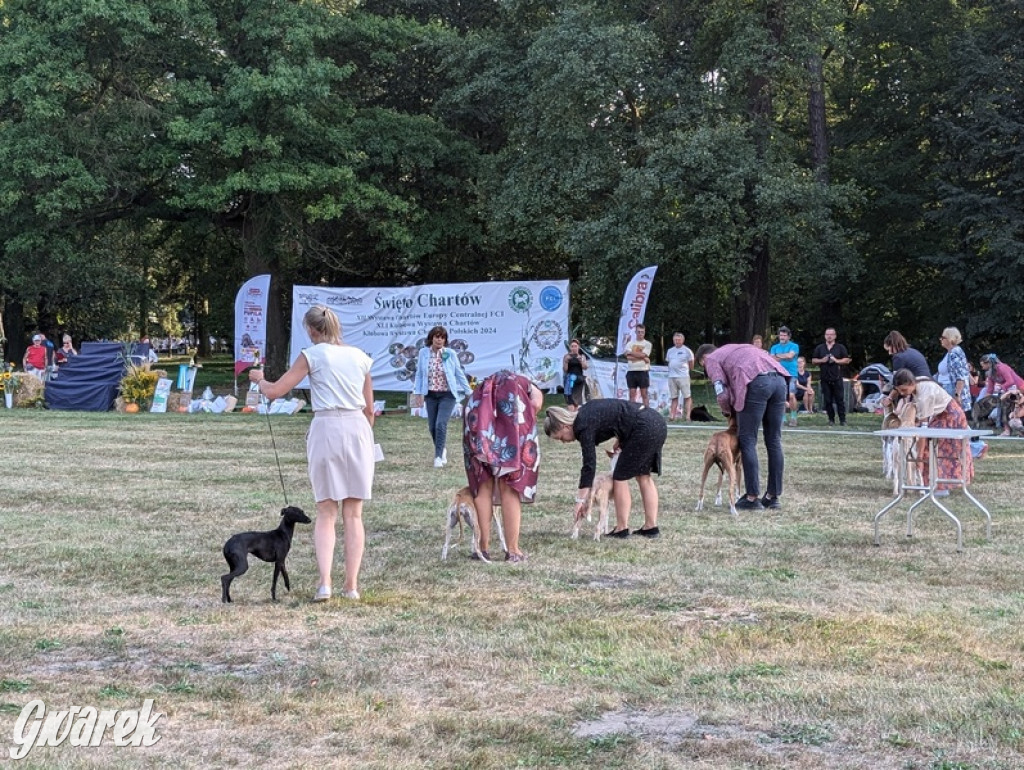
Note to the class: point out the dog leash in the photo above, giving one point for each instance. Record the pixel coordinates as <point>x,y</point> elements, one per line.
<point>266,410</point>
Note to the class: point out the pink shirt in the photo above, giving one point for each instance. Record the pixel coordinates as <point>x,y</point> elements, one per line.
<point>1004,379</point>
<point>735,366</point>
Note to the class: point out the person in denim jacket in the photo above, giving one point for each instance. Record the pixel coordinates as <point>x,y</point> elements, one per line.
<point>440,384</point>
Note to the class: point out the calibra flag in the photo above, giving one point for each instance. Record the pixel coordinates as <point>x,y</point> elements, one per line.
<point>634,305</point>
<point>251,322</point>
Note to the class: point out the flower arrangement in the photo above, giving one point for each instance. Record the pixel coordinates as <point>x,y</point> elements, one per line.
<point>138,385</point>
<point>8,382</point>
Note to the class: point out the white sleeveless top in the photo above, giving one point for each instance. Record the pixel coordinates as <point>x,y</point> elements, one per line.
<point>336,376</point>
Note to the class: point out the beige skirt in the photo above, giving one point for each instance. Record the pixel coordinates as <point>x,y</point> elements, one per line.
<point>339,450</point>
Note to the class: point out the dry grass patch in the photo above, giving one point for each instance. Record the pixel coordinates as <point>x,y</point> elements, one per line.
<point>774,639</point>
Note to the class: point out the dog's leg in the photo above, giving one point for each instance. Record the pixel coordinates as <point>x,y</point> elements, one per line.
<point>734,486</point>
<point>284,574</point>
<point>238,564</point>
<point>273,584</point>
<point>501,532</point>
<point>602,518</point>
<point>703,481</point>
<point>451,520</point>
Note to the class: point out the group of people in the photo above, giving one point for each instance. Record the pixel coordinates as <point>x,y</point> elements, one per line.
<point>500,442</point>
<point>42,359</point>
<point>501,451</point>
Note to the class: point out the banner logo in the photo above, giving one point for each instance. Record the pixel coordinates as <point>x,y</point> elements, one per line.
<point>520,299</point>
<point>551,298</point>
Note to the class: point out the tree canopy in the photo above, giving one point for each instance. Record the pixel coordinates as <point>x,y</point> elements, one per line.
<point>835,162</point>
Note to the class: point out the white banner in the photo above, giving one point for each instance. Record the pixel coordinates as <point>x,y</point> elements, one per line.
<point>607,379</point>
<point>634,305</point>
<point>523,325</point>
<point>251,322</point>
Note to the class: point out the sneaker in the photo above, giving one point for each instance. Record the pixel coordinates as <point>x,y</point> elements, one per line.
<point>482,556</point>
<point>743,504</point>
<point>444,457</point>
<point>438,462</point>
<point>770,502</point>
<point>832,423</point>
<point>354,595</point>
<point>621,533</point>
<point>652,532</point>
<point>323,593</point>
<point>515,558</point>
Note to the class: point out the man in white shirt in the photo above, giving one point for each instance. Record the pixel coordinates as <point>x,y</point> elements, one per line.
<point>680,361</point>
<point>638,372</point>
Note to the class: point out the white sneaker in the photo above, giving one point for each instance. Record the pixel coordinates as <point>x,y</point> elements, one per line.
<point>438,462</point>
<point>444,456</point>
<point>323,593</point>
<point>354,595</point>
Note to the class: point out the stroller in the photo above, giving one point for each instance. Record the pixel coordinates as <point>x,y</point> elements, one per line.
<point>872,382</point>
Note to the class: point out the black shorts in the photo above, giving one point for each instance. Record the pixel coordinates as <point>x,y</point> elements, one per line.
<point>640,380</point>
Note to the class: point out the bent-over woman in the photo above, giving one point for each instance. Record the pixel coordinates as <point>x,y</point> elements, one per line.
<point>501,453</point>
<point>936,409</point>
<point>639,433</point>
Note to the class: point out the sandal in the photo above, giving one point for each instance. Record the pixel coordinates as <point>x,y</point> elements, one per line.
<point>481,556</point>
<point>515,558</point>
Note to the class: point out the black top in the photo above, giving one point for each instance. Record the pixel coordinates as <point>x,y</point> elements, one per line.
<point>830,371</point>
<point>913,360</point>
<point>597,422</point>
<point>574,365</point>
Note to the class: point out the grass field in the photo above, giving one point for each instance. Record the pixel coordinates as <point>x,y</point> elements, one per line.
<point>778,639</point>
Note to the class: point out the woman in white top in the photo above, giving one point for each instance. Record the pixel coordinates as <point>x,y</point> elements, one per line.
<point>339,444</point>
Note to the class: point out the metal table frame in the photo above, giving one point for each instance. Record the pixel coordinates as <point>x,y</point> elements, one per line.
<point>933,436</point>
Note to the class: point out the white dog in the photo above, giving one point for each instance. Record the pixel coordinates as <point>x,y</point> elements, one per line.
<point>600,495</point>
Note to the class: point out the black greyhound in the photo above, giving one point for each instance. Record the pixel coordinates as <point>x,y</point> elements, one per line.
<point>268,546</point>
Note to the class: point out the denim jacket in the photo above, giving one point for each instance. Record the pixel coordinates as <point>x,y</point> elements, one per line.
<point>453,372</point>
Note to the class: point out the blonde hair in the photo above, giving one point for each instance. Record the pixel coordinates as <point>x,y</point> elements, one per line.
<point>324,321</point>
<point>556,418</point>
<point>952,334</point>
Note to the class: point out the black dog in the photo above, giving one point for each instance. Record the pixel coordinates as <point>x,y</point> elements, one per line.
<point>700,413</point>
<point>268,546</point>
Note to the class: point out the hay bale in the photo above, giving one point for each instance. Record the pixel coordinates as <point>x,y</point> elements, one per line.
<point>29,391</point>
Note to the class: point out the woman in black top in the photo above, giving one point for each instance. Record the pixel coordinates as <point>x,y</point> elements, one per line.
<point>573,364</point>
<point>639,434</point>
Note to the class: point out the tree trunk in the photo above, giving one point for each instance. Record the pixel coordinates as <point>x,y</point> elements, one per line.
<point>816,119</point>
<point>259,252</point>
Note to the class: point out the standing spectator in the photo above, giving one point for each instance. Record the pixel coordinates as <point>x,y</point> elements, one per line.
<point>638,374</point>
<point>339,443</point>
<point>785,351</point>
<point>65,351</point>
<point>501,453</point>
<point>750,384</point>
<point>574,378</point>
<point>757,341</point>
<point>680,361</point>
<point>440,383</point>
<point>831,357</point>
<point>804,385</point>
<point>904,356</point>
<point>34,360</point>
<point>638,431</point>
<point>954,374</point>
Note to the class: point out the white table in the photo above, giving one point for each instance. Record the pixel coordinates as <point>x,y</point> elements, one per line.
<point>933,436</point>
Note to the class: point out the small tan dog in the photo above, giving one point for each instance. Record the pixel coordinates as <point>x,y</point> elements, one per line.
<point>600,495</point>
<point>897,450</point>
<point>723,451</point>
<point>463,509</point>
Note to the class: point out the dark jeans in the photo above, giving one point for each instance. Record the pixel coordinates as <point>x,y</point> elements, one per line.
<point>439,404</point>
<point>833,396</point>
<point>765,407</point>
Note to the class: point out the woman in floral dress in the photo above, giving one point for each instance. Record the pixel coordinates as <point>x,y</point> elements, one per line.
<point>501,453</point>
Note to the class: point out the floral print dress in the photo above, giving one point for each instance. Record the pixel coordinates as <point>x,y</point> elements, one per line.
<point>500,435</point>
